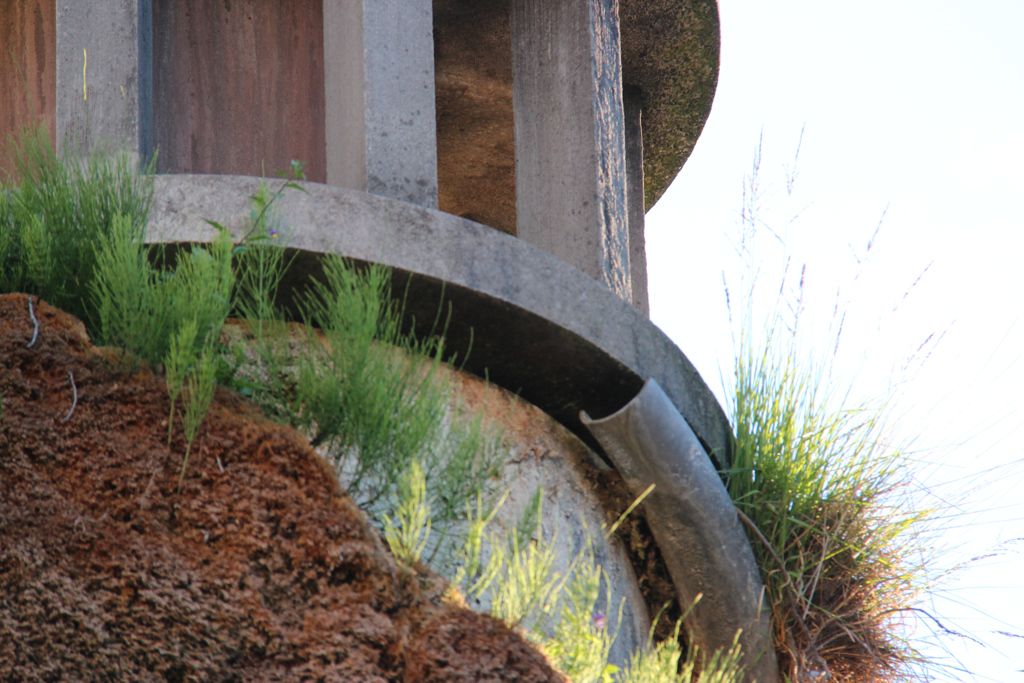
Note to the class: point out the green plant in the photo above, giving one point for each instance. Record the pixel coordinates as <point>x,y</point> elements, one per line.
<point>824,493</point>
<point>407,535</point>
<point>561,612</point>
<point>52,223</point>
<point>582,639</point>
<point>528,588</point>
<point>369,396</point>
<point>660,663</point>
<point>177,362</point>
<point>374,398</point>
<point>201,384</point>
<point>261,263</point>
<point>822,487</point>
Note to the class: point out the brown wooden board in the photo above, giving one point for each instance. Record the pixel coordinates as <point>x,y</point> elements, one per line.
<point>238,86</point>
<point>28,72</point>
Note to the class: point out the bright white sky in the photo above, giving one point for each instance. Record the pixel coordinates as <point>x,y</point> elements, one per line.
<point>918,106</point>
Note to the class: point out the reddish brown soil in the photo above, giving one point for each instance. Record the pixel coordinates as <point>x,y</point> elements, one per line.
<point>264,571</point>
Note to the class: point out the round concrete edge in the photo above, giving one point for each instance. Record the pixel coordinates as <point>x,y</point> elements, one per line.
<point>671,53</point>
<point>528,321</point>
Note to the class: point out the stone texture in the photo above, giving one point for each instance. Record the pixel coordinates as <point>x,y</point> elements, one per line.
<point>381,128</point>
<point>103,80</point>
<point>635,214</point>
<point>570,138</point>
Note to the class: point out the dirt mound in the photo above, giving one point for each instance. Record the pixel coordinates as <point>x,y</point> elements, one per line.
<point>259,570</point>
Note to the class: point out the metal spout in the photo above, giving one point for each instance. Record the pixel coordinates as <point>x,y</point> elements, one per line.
<point>695,525</point>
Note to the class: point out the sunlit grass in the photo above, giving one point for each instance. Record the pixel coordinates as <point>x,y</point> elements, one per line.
<point>837,538</point>
<point>823,485</point>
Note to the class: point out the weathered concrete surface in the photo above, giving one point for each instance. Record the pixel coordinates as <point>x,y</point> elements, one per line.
<point>238,86</point>
<point>543,454</point>
<point>103,84</point>
<point>670,52</point>
<point>695,523</point>
<point>380,125</point>
<point>535,326</point>
<point>570,139</point>
<point>28,71</point>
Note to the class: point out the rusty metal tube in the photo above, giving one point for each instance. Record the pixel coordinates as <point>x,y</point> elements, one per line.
<point>695,526</point>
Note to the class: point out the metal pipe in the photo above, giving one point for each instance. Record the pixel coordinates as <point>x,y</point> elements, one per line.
<point>695,525</point>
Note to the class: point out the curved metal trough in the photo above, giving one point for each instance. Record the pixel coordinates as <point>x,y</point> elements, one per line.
<point>695,525</point>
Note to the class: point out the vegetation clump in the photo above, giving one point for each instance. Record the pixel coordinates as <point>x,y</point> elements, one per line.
<point>824,492</point>
<point>367,393</point>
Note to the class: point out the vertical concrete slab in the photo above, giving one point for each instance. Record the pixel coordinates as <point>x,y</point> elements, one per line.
<point>633,114</point>
<point>103,76</point>
<point>570,142</point>
<point>238,86</point>
<point>28,71</point>
<point>380,127</point>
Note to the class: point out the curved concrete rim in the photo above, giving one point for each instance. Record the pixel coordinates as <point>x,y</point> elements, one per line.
<point>670,54</point>
<point>529,322</point>
<point>695,526</point>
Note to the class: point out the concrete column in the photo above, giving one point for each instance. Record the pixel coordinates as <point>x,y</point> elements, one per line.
<point>635,199</point>
<point>570,142</point>
<point>105,75</point>
<point>380,127</point>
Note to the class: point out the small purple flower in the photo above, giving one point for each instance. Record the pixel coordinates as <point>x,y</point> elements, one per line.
<point>273,231</point>
<point>599,620</point>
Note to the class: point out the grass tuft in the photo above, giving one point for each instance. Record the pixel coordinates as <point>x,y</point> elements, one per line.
<point>825,492</point>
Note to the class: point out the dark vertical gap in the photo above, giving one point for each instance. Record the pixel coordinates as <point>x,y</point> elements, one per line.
<point>632,101</point>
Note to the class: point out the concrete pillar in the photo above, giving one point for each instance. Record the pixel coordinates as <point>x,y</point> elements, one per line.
<point>105,75</point>
<point>635,199</point>
<point>570,142</point>
<point>380,127</point>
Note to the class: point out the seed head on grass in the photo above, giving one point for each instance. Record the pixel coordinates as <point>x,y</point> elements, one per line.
<point>823,487</point>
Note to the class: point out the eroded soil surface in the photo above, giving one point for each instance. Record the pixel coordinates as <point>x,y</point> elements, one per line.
<point>259,570</point>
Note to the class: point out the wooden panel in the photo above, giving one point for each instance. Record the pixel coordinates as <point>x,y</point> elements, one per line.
<point>28,71</point>
<point>238,86</point>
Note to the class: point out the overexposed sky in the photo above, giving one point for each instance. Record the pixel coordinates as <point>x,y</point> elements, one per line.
<point>913,109</point>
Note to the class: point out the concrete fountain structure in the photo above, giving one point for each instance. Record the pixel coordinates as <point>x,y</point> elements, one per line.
<point>498,154</point>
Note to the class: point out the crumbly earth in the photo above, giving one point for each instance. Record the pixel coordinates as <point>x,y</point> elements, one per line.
<point>260,569</point>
